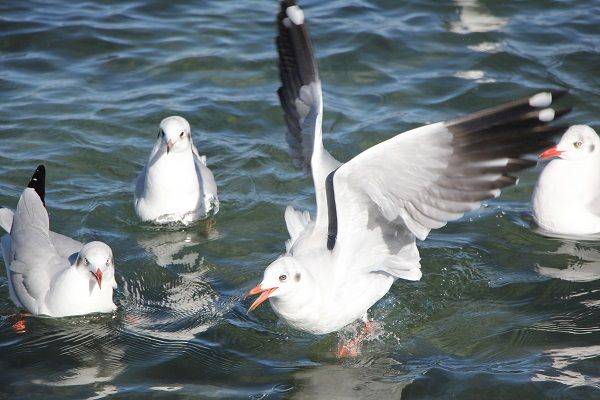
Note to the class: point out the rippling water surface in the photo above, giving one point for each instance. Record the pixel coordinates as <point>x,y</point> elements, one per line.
<point>501,312</point>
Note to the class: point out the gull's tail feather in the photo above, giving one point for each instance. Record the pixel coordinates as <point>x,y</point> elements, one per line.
<point>38,182</point>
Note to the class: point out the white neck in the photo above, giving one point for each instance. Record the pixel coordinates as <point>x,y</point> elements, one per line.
<point>300,303</point>
<point>564,194</point>
<point>172,175</point>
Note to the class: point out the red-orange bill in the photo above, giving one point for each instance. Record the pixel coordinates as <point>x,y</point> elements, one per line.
<point>98,276</point>
<point>550,153</point>
<point>264,295</point>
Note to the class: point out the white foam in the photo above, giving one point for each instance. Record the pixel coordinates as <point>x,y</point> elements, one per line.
<point>543,99</point>
<point>295,14</point>
<point>546,115</point>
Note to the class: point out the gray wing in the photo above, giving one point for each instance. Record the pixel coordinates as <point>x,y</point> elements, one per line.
<point>207,181</point>
<point>300,92</point>
<point>301,98</point>
<point>6,219</point>
<point>423,178</point>
<point>64,245</point>
<point>139,183</point>
<point>34,260</point>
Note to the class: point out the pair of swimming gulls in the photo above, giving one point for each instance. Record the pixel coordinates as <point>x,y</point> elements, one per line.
<point>370,210</point>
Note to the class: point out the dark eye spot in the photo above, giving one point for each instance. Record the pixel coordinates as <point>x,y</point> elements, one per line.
<point>282,278</point>
<point>160,133</point>
<point>86,262</point>
<point>297,277</point>
<point>181,134</point>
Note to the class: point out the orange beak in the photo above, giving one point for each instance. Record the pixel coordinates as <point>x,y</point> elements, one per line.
<point>264,295</point>
<point>98,276</point>
<point>550,153</point>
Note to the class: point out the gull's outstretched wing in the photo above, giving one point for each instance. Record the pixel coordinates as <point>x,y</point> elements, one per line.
<point>423,178</point>
<point>301,98</point>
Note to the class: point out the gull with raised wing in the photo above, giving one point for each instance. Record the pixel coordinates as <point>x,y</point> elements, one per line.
<point>566,198</point>
<point>175,186</point>
<point>48,273</point>
<point>371,209</point>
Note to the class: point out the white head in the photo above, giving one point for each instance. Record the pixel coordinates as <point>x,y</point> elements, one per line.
<point>282,279</point>
<point>95,260</point>
<point>175,134</point>
<point>579,142</point>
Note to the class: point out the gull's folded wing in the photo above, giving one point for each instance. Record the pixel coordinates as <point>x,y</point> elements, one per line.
<point>423,178</point>
<point>34,259</point>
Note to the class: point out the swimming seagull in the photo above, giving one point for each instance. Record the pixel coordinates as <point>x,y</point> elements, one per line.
<point>371,210</point>
<point>49,273</point>
<point>175,185</point>
<point>566,198</point>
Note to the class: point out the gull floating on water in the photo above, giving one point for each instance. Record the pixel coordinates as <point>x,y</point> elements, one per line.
<point>48,273</point>
<point>371,210</point>
<point>175,185</point>
<point>566,198</point>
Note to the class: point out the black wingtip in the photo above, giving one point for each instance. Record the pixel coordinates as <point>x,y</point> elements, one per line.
<point>38,182</point>
<point>287,3</point>
<point>558,93</point>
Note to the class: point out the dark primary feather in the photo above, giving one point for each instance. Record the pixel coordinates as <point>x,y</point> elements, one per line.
<point>38,182</point>
<point>486,148</point>
<point>297,68</point>
<point>508,131</point>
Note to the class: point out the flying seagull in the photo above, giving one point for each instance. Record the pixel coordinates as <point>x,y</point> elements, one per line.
<point>371,209</point>
<point>48,273</point>
<point>175,186</point>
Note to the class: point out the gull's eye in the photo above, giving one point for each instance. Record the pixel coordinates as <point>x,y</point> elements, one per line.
<point>181,134</point>
<point>161,133</point>
<point>578,144</point>
<point>86,262</point>
<point>108,261</point>
<point>282,278</point>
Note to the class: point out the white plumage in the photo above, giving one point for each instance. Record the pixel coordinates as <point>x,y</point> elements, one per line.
<point>175,185</point>
<point>48,273</point>
<point>371,210</point>
<point>566,198</point>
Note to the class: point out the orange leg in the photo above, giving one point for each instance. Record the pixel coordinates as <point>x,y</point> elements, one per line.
<point>19,325</point>
<point>351,348</point>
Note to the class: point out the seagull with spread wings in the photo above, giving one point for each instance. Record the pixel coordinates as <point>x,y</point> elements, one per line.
<point>371,209</point>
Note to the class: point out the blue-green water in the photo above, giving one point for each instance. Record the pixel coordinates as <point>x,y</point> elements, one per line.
<point>501,312</point>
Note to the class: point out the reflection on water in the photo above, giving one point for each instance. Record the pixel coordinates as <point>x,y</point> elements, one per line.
<point>475,17</point>
<point>169,247</point>
<point>569,366</point>
<point>582,266</point>
<point>376,381</point>
<point>177,309</point>
<point>94,364</point>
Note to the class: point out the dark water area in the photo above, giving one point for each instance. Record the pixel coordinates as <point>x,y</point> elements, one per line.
<point>501,312</point>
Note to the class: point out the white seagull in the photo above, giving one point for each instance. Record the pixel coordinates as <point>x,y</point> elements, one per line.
<point>371,210</point>
<point>175,185</point>
<point>48,273</point>
<point>566,198</point>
